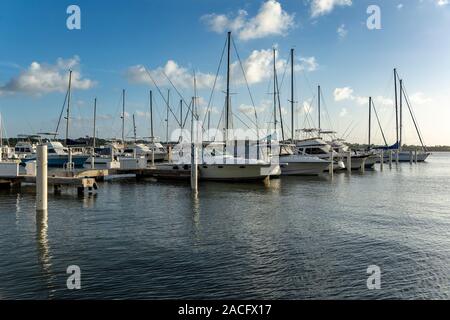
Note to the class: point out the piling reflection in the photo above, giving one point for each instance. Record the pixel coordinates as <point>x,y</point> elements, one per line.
<point>43,247</point>
<point>195,200</point>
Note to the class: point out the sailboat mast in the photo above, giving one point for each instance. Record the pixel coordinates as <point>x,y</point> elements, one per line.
<point>274,92</point>
<point>318,106</point>
<point>95,120</point>
<point>134,129</point>
<point>227,102</point>
<point>1,134</point>
<point>401,114</point>
<point>370,120</point>
<point>181,114</point>
<point>68,107</point>
<point>151,115</point>
<point>167,117</point>
<point>123,117</point>
<point>292,95</point>
<point>396,105</point>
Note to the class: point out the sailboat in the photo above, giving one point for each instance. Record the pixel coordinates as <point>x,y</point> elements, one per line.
<point>291,162</point>
<point>314,144</point>
<point>404,156</point>
<point>223,165</point>
<point>60,156</point>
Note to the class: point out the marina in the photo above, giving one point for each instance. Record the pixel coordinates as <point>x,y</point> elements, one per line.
<point>225,156</point>
<point>157,240</point>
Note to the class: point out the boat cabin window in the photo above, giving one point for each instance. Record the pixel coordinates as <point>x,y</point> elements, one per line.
<point>314,151</point>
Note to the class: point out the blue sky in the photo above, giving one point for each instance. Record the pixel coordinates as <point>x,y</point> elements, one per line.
<point>334,48</point>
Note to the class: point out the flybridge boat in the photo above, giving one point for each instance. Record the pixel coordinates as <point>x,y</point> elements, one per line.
<point>319,148</point>
<point>300,164</point>
<point>58,156</point>
<point>146,150</point>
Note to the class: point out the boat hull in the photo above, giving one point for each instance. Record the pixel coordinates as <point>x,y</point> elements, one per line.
<point>405,156</point>
<point>60,161</point>
<point>233,172</point>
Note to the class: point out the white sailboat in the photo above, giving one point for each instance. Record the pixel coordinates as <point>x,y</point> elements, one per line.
<point>397,148</point>
<point>216,163</point>
<point>291,162</point>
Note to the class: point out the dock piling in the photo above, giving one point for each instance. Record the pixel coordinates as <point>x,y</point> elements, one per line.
<point>41,178</point>
<point>390,159</point>
<point>410,157</point>
<point>349,161</point>
<point>415,156</point>
<point>381,160</point>
<point>331,164</point>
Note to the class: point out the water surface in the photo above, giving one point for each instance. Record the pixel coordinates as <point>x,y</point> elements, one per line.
<point>299,238</point>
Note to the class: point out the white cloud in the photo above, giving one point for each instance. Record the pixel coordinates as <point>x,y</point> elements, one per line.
<point>345,93</point>
<point>270,20</point>
<point>307,64</point>
<point>342,31</point>
<point>42,78</point>
<point>343,112</point>
<point>419,98</point>
<point>323,7</point>
<point>383,101</point>
<point>258,66</point>
<point>400,6</point>
<point>181,77</point>
<point>442,2</point>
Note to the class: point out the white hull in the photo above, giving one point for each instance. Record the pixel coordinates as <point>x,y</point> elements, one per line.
<point>302,165</point>
<point>233,172</point>
<point>405,156</point>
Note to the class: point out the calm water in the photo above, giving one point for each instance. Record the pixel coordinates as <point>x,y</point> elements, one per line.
<point>299,238</point>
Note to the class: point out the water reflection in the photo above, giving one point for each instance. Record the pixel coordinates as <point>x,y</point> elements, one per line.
<point>43,247</point>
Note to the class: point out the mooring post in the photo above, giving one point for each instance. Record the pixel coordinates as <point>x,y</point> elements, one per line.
<point>153,157</point>
<point>235,151</point>
<point>169,153</point>
<point>363,166</point>
<point>93,159</point>
<point>390,159</point>
<point>247,151</point>
<point>415,156</point>
<point>331,164</point>
<point>411,157</point>
<point>349,161</point>
<point>381,160</point>
<point>69,163</point>
<point>41,178</point>
<point>397,157</point>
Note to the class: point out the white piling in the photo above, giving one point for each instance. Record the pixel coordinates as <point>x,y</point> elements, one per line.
<point>41,178</point>
<point>363,166</point>
<point>93,159</point>
<point>194,168</point>
<point>415,156</point>
<point>153,157</point>
<point>169,153</point>
<point>410,157</point>
<point>69,163</point>
<point>390,159</point>
<point>349,161</point>
<point>397,157</point>
<point>331,164</point>
<point>1,154</point>
<point>381,160</point>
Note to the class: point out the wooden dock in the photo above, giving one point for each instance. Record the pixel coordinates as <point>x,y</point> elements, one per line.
<point>81,184</point>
